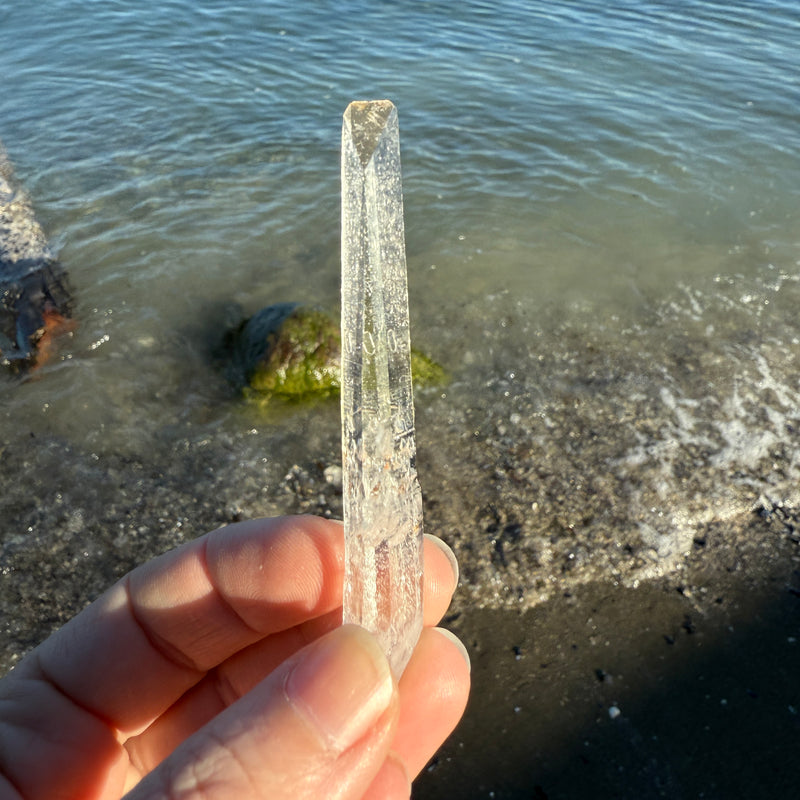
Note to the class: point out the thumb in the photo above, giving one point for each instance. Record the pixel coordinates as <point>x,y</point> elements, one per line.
<point>320,725</point>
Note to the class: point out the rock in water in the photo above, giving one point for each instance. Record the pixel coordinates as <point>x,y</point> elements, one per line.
<point>34,298</point>
<point>293,352</point>
<point>289,351</point>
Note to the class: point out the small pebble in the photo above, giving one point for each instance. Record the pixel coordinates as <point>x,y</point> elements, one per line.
<point>333,475</point>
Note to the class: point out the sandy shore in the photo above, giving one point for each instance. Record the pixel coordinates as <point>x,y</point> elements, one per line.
<point>682,686</point>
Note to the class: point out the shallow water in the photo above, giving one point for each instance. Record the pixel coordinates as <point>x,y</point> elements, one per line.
<point>583,159</point>
<point>601,205</point>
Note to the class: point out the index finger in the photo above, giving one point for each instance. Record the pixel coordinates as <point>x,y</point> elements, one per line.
<point>153,635</point>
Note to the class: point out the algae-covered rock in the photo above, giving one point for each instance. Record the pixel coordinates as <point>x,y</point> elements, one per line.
<point>290,351</point>
<point>293,352</point>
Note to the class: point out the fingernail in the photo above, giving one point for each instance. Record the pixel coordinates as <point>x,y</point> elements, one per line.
<point>445,548</point>
<point>458,643</point>
<point>342,686</point>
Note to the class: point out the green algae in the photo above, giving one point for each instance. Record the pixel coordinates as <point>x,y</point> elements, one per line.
<point>292,353</point>
<point>425,371</point>
<point>301,359</point>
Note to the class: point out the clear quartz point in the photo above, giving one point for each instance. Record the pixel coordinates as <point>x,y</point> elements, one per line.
<point>382,498</point>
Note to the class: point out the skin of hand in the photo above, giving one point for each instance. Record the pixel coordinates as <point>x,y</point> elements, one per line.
<point>221,669</point>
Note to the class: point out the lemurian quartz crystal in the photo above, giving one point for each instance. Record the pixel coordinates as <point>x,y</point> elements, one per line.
<point>382,498</point>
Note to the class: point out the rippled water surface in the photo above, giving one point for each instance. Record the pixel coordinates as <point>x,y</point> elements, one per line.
<point>578,163</point>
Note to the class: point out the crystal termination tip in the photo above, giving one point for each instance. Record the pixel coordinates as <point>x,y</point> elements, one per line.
<point>367,119</point>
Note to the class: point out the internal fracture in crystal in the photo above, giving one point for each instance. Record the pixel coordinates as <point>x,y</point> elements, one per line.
<point>382,498</point>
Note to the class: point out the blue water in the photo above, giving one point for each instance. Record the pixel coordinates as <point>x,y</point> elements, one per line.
<point>584,160</point>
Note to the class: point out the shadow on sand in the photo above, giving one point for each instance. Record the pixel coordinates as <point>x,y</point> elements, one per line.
<point>632,693</point>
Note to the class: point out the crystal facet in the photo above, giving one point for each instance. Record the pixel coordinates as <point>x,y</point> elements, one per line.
<point>382,498</point>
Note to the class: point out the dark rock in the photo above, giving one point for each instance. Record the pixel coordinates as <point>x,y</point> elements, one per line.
<point>34,296</point>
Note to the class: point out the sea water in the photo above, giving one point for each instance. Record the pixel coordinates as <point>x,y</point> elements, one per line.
<point>579,178</point>
<point>184,156</point>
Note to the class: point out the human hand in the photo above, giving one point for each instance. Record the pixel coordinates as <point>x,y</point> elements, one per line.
<point>221,670</point>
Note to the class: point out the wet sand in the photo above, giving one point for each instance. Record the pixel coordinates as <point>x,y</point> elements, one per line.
<point>681,686</point>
